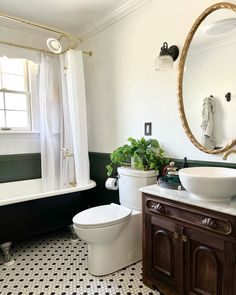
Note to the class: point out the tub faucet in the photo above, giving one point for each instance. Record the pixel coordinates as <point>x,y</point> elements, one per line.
<point>73,183</point>
<point>66,153</point>
<point>227,153</point>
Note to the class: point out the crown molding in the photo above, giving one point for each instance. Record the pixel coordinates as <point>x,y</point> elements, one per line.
<point>110,17</point>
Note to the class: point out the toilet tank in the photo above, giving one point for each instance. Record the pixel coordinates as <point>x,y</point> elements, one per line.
<point>130,180</point>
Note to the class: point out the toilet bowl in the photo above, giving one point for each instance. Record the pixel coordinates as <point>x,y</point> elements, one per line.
<point>101,224</point>
<point>113,242</point>
<point>114,232</point>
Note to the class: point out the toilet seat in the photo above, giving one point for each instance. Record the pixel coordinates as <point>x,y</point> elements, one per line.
<point>101,216</point>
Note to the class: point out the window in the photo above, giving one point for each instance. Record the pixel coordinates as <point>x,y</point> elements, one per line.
<point>15,114</point>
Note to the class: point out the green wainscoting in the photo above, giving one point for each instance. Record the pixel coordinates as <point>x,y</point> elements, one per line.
<point>98,162</point>
<point>28,166</point>
<point>194,163</point>
<point>19,167</point>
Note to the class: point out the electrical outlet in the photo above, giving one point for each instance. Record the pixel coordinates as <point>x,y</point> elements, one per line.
<point>148,128</point>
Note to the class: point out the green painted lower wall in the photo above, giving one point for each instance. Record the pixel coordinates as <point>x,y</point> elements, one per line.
<point>20,167</point>
<point>194,163</point>
<point>98,162</point>
<point>28,166</point>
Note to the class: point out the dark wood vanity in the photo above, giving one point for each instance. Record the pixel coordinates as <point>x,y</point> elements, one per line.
<point>188,250</point>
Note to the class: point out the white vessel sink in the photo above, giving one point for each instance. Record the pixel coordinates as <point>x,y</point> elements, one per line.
<point>212,184</point>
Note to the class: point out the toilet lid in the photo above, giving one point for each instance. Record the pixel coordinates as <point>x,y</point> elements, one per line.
<point>101,216</point>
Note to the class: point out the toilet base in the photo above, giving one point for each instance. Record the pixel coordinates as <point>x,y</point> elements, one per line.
<point>124,250</point>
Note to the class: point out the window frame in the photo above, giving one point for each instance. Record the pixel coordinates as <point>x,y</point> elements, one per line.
<point>27,93</point>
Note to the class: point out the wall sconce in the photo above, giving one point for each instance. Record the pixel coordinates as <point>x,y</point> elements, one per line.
<point>166,58</point>
<point>228,96</point>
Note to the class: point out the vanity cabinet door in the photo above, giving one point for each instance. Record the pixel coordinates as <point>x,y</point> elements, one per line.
<point>209,262</point>
<point>163,255</point>
<point>188,250</point>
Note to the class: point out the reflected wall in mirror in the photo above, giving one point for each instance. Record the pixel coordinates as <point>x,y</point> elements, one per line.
<point>207,73</point>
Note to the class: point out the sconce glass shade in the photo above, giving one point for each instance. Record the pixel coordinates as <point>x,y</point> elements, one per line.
<point>166,58</point>
<point>164,63</point>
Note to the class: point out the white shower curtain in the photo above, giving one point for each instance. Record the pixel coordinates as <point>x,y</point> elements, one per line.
<point>75,117</point>
<point>69,152</point>
<point>49,100</point>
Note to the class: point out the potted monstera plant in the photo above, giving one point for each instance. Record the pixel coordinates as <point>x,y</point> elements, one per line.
<point>144,154</point>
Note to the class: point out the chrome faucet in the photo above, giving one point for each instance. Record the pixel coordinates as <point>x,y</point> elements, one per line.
<point>227,153</point>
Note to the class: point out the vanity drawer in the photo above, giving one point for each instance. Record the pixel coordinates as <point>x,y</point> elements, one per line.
<point>202,218</point>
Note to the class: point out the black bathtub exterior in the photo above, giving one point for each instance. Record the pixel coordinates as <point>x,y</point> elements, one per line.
<point>26,219</point>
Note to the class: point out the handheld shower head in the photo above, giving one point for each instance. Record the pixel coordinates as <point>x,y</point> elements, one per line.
<point>54,45</point>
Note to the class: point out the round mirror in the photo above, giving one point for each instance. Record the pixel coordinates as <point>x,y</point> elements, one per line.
<point>207,80</point>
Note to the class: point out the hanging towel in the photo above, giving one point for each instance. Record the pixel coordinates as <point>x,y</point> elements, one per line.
<point>207,125</point>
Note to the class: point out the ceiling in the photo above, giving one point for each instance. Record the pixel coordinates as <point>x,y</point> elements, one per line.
<point>66,15</point>
<point>202,40</point>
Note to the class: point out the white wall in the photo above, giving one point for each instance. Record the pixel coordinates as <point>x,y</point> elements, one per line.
<point>21,143</point>
<point>124,90</point>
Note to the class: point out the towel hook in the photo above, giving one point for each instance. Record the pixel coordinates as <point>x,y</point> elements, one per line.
<point>228,96</point>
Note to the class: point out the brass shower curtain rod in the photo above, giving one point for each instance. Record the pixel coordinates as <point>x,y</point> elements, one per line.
<point>73,40</point>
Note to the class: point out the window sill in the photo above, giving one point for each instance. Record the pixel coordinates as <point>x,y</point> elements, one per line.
<point>19,135</point>
<point>18,132</point>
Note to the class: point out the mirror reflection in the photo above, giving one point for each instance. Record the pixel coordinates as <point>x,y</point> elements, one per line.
<point>209,80</point>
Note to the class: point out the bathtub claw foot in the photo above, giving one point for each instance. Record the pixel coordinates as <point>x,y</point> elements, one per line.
<point>74,237</point>
<point>8,260</point>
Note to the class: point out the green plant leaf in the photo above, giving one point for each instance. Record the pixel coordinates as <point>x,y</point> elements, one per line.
<point>145,154</point>
<point>109,169</point>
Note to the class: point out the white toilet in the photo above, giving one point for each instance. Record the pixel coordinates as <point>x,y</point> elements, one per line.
<point>114,232</point>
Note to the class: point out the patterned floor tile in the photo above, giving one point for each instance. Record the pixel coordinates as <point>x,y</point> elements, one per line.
<point>52,264</point>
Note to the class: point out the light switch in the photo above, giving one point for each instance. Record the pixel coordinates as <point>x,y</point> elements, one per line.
<point>148,128</point>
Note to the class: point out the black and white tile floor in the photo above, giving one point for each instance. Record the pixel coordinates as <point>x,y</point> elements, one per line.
<point>52,264</point>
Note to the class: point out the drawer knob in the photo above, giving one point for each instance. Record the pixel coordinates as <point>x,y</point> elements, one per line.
<point>176,235</point>
<point>159,208</point>
<point>184,238</point>
<point>209,222</point>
